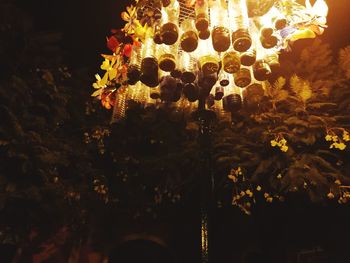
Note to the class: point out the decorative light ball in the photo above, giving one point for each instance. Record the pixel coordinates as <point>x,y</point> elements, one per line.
<point>259,7</point>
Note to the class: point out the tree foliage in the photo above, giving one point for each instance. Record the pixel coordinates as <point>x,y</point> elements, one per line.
<point>63,164</point>
<point>296,138</point>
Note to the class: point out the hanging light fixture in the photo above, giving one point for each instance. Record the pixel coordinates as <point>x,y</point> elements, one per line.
<point>182,51</point>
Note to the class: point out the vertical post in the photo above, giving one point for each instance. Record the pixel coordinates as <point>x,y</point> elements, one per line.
<point>206,119</point>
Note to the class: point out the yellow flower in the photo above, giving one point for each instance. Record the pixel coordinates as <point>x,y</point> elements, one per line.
<point>140,32</point>
<point>284,148</point>
<point>281,142</point>
<point>269,199</point>
<point>346,136</point>
<point>98,84</point>
<point>249,193</point>
<point>337,182</point>
<point>129,16</point>
<point>242,193</point>
<point>330,195</point>
<point>233,178</point>
<point>341,146</point>
<point>258,188</point>
<point>266,195</point>
<point>328,138</point>
<point>111,70</point>
<point>273,143</point>
<point>279,176</point>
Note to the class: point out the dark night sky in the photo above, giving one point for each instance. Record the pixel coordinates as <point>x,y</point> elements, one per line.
<point>86,23</point>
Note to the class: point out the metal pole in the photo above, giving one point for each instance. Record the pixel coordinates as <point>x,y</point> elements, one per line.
<point>205,119</point>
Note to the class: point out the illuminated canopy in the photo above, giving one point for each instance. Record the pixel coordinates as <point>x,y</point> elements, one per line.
<point>213,51</point>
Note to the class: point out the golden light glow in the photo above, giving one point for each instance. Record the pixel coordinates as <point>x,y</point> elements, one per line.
<point>202,39</point>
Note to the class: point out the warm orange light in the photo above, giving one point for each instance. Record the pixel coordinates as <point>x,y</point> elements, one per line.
<point>194,42</point>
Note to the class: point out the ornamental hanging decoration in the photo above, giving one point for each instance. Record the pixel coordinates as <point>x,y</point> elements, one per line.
<point>179,52</point>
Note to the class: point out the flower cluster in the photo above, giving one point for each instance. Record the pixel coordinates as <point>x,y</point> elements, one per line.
<point>134,27</point>
<point>101,189</point>
<point>268,197</point>
<point>98,136</point>
<point>121,43</point>
<point>235,173</point>
<point>280,142</point>
<point>344,194</point>
<point>243,195</point>
<point>338,137</point>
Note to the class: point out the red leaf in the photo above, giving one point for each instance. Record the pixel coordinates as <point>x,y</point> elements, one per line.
<point>127,50</point>
<point>112,43</point>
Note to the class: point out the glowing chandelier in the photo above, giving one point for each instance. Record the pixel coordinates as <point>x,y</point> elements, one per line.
<point>179,52</point>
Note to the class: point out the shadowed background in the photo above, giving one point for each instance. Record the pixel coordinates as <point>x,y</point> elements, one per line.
<point>86,23</point>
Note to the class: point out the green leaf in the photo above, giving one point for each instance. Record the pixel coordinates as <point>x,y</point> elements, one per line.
<point>320,105</point>
<point>296,121</point>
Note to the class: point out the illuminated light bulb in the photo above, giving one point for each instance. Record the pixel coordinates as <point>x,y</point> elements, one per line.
<point>203,58</point>
<point>268,38</point>
<point>231,61</point>
<point>233,102</point>
<point>189,37</point>
<point>189,68</point>
<point>221,38</point>
<point>205,34</point>
<point>157,38</point>
<point>167,57</point>
<point>170,16</point>
<point>277,18</point>
<point>149,65</point>
<point>134,68</point>
<point>261,70</point>
<point>239,23</point>
<point>202,15</point>
<point>208,59</point>
<point>248,57</point>
<point>242,78</point>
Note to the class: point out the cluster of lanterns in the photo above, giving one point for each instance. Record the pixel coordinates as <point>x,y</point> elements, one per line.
<point>213,51</point>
